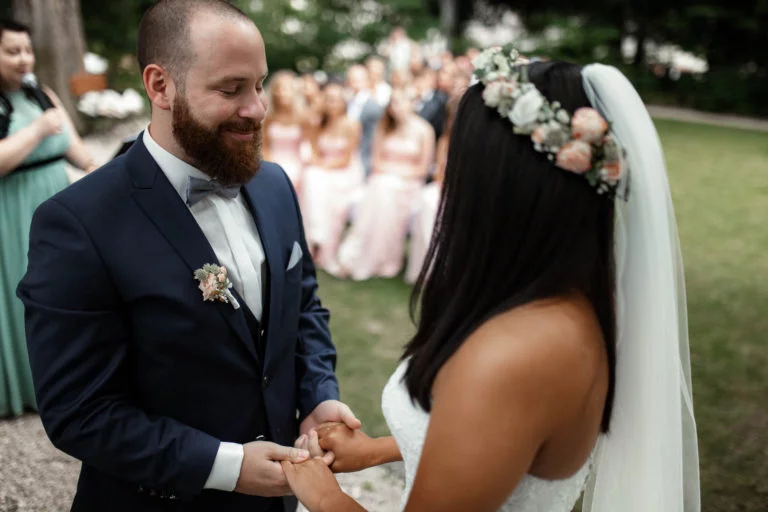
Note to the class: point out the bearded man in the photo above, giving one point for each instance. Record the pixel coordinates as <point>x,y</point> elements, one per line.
<point>177,344</point>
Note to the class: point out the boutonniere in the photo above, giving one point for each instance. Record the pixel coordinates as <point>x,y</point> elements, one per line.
<point>215,284</point>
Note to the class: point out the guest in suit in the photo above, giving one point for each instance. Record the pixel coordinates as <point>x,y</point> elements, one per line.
<point>172,389</point>
<point>363,107</point>
<point>446,78</point>
<point>377,72</point>
<point>430,101</point>
<point>402,153</point>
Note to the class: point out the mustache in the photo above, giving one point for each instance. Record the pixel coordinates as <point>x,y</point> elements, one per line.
<point>245,125</point>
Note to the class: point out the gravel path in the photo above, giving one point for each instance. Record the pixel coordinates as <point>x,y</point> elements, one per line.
<point>36,477</point>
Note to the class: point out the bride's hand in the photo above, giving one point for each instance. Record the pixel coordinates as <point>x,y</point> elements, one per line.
<point>313,484</point>
<point>311,443</point>
<point>352,449</point>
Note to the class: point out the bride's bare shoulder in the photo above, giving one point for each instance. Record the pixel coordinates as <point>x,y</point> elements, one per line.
<point>553,347</point>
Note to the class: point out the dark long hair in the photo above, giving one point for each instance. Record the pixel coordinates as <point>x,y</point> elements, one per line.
<point>511,229</point>
<point>13,26</point>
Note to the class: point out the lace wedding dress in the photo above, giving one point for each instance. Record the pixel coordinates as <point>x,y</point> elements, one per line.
<point>408,423</point>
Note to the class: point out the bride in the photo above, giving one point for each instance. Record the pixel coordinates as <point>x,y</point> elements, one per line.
<point>551,356</point>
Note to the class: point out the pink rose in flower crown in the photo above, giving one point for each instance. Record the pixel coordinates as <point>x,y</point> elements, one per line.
<point>576,156</point>
<point>588,125</point>
<point>210,287</point>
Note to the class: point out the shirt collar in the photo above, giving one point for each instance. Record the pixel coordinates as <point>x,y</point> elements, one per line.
<point>175,169</point>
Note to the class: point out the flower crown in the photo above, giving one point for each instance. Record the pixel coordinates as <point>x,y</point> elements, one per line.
<point>580,144</point>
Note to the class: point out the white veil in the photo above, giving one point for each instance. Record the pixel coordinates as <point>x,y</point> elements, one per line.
<point>648,462</point>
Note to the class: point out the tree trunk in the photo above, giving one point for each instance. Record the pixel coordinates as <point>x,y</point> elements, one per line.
<point>642,35</point>
<point>59,42</point>
<point>449,19</point>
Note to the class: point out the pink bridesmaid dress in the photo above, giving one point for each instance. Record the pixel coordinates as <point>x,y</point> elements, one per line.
<point>326,199</point>
<point>285,143</point>
<point>375,245</point>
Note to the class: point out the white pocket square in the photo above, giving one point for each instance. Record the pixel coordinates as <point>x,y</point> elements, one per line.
<point>296,254</point>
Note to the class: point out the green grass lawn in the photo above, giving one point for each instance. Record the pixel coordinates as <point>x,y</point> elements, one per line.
<point>719,182</point>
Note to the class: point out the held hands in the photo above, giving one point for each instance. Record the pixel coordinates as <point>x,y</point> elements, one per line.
<point>329,411</point>
<point>314,485</point>
<point>311,481</point>
<point>352,450</point>
<point>261,473</point>
<point>50,123</point>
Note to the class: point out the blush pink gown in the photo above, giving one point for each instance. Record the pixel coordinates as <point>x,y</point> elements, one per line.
<point>285,143</point>
<point>326,199</point>
<point>375,245</point>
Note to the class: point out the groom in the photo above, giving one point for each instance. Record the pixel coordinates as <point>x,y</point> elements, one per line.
<point>176,392</point>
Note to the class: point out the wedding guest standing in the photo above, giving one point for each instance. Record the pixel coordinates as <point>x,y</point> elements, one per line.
<point>36,139</point>
<point>311,100</point>
<point>283,130</point>
<point>334,174</point>
<point>428,203</point>
<point>363,107</point>
<point>403,150</point>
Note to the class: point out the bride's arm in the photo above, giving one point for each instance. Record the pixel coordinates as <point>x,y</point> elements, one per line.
<point>317,489</point>
<point>354,450</point>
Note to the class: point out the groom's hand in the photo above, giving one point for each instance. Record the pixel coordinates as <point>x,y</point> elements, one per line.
<point>261,473</point>
<point>330,411</point>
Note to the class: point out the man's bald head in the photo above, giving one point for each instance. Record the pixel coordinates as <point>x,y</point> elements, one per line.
<point>164,32</point>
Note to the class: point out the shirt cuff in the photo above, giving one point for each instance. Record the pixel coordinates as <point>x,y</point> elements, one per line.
<point>226,468</point>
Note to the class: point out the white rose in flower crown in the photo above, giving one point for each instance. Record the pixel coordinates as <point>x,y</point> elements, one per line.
<point>588,125</point>
<point>493,93</point>
<point>526,109</point>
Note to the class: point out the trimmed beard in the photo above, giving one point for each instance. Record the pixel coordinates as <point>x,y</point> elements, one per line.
<point>226,160</point>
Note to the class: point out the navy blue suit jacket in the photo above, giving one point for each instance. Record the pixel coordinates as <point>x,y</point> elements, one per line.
<point>135,374</point>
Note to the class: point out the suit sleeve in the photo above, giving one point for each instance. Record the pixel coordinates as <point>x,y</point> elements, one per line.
<point>315,353</point>
<point>78,340</point>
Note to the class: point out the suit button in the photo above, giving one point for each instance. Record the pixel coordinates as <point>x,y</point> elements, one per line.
<point>261,333</point>
<point>265,382</point>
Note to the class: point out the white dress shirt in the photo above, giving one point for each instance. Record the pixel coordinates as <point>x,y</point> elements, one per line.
<point>229,227</point>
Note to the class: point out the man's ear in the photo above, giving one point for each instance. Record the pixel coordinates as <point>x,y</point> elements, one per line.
<point>159,85</point>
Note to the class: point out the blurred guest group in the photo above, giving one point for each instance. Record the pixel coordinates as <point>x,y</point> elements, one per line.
<point>366,153</point>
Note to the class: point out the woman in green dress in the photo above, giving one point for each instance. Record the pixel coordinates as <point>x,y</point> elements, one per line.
<point>34,148</point>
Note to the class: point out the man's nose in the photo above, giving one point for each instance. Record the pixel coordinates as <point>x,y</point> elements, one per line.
<point>255,109</point>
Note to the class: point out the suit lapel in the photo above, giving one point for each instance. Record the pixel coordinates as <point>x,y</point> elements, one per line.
<point>260,201</point>
<point>163,205</point>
